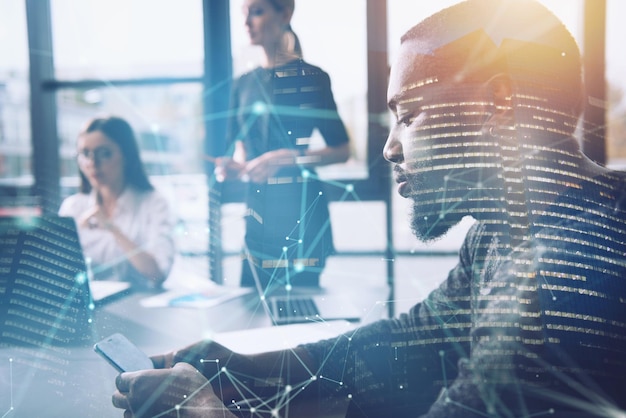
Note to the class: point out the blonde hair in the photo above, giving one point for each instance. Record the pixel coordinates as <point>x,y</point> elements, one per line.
<point>290,41</point>
<point>281,5</point>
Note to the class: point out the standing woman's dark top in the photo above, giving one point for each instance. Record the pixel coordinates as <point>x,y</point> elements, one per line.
<point>288,230</point>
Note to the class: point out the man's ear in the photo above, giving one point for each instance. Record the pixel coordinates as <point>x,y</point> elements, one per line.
<point>500,122</point>
<point>501,91</point>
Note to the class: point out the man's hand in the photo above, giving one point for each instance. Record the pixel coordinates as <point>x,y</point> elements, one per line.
<point>210,358</point>
<point>204,356</point>
<point>181,392</point>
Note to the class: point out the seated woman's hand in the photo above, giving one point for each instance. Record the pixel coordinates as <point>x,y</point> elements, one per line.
<point>181,391</point>
<point>92,218</point>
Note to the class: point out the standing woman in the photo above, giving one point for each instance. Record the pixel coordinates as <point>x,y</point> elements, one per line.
<point>274,110</point>
<point>125,226</point>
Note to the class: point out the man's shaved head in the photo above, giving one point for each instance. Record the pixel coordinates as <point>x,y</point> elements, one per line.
<point>481,39</point>
<point>522,20</point>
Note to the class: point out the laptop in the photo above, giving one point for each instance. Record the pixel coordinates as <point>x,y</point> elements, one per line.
<point>46,296</point>
<point>303,305</point>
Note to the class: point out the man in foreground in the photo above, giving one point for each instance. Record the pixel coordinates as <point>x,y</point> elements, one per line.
<point>486,97</point>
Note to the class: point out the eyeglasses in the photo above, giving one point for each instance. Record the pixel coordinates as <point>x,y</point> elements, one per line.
<point>98,155</point>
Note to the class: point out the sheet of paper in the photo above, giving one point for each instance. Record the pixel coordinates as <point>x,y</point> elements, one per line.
<point>259,340</point>
<point>205,297</point>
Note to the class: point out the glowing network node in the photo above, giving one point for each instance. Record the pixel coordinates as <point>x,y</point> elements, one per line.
<point>81,277</point>
<point>349,187</point>
<point>259,108</point>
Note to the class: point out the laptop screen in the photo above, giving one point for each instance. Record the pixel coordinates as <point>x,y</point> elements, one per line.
<point>44,290</point>
<point>290,307</point>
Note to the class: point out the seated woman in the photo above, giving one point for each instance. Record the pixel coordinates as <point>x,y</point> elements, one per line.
<point>125,225</point>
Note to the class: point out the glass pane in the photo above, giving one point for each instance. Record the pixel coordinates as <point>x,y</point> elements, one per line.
<point>15,144</point>
<point>105,39</point>
<point>616,94</point>
<point>345,62</point>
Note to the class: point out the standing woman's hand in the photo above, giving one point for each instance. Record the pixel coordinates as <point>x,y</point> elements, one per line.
<point>227,169</point>
<point>266,165</point>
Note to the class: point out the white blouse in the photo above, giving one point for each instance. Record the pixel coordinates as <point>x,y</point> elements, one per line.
<point>144,217</point>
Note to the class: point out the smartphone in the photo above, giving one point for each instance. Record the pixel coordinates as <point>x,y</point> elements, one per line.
<point>122,354</point>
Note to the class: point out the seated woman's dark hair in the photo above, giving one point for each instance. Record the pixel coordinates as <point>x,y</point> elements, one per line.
<point>119,131</point>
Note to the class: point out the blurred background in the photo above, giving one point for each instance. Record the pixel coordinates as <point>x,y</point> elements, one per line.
<point>166,66</point>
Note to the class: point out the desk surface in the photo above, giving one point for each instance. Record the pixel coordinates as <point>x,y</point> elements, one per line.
<point>74,382</point>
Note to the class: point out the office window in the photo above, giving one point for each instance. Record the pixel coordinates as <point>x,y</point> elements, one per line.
<point>112,39</point>
<point>616,84</point>
<point>15,144</point>
<point>107,52</point>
